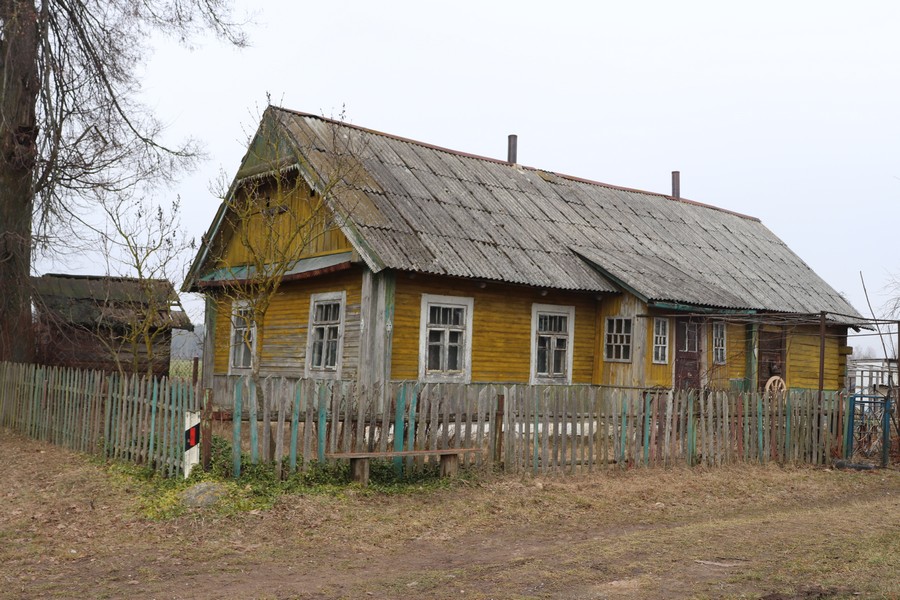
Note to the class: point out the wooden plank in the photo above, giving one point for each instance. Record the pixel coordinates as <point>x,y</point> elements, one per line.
<point>361,398</point>
<point>309,422</point>
<point>476,406</point>
<point>691,430</point>
<point>467,409</point>
<point>387,412</point>
<point>252,405</point>
<point>265,396</point>
<point>280,402</point>
<point>334,395</point>
<point>322,394</point>
<point>296,394</point>
<point>647,410</point>
<point>236,428</point>
<point>512,443</point>
<point>546,433</point>
<point>445,409</point>
<point>423,406</point>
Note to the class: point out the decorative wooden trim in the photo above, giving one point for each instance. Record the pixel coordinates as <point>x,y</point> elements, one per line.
<point>556,309</point>
<point>469,304</point>
<point>308,371</point>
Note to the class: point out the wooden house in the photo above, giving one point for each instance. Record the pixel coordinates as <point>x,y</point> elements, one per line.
<point>423,263</point>
<point>104,323</point>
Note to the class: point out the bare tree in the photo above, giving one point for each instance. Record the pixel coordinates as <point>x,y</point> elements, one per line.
<point>70,127</point>
<point>144,242</point>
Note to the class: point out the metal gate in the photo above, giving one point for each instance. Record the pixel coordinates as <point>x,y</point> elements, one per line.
<point>869,428</point>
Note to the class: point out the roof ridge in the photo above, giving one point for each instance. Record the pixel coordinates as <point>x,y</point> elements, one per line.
<point>503,162</point>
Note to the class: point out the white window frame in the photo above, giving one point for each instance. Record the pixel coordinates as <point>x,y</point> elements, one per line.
<point>629,344</point>
<point>553,310</point>
<point>465,374</point>
<point>661,341</point>
<point>322,372</point>
<point>720,343</point>
<point>236,307</point>
<point>690,326</point>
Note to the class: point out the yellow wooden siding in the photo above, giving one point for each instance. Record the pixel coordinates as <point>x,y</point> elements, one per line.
<point>633,373</point>
<point>222,335</point>
<point>720,376</point>
<point>660,374</point>
<point>287,320</point>
<point>501,322</point>
<point>298,225</point>
<point>803,358</point>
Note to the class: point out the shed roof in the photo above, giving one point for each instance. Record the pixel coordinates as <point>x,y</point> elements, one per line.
<point>89,300</point>
<point>417,207</point>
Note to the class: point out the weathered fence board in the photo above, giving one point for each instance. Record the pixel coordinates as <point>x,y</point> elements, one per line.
<point>541,429</point>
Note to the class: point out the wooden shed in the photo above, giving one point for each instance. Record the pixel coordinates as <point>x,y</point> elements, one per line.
<point>423,263</point>
<point>106,323</point>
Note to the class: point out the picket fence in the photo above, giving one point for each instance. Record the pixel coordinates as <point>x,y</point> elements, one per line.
<point>133,418</point>
<point>529,429</point>
<point>293,423</point>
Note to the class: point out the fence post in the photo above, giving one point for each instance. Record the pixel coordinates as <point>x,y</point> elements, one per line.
<point>886,432</point>
<point>498,432</point>
<point>236,427</point>
<point>205,428</point>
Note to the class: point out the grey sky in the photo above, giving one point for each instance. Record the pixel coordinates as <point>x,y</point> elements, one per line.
<point>787,111</point>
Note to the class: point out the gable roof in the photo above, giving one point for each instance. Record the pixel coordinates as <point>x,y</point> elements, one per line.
<point>416,207</point>
<point>91,300</point>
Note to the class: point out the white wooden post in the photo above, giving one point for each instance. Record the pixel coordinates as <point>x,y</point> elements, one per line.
<point>191,441</point>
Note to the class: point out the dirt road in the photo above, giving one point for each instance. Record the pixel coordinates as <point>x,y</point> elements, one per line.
<point>70,529</point>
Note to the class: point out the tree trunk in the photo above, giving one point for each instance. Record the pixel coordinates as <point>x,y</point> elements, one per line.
<point>19,87</point>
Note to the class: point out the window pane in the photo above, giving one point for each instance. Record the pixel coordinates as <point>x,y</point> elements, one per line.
<point>559,359</point>
<point>330,354</point>
<point>453,358</point>
<point>541,358</point>
<point>436,336</point>
<point>434,357</point>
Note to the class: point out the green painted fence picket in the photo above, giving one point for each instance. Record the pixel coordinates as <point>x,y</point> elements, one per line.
<point>132,418</point>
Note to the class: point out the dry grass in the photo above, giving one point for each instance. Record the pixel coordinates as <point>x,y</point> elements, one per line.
<point>72,528</point>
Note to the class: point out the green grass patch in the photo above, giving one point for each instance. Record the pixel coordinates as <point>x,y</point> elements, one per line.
<point>259,487</point>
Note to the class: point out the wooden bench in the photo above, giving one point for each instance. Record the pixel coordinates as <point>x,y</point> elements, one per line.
<point>359,461</point>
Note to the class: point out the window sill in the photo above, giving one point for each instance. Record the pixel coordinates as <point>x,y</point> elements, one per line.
<point>550,381</point>
<point>446,378</point>
<point>322,374</point>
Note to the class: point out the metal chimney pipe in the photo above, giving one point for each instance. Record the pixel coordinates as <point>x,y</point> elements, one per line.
<point>511,150</point>
<point>676,184</point>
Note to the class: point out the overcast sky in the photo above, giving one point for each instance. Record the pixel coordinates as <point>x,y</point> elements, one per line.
<point>787,111</point>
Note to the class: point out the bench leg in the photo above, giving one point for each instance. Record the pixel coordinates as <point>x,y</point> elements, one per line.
<point>449,465</point>
<point>359,470</point>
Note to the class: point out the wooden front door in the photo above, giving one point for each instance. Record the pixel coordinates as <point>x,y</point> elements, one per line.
<point>771,354</point>
<point>687,354</point>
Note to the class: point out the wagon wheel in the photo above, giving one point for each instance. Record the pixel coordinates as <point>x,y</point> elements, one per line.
<point>775,385</point>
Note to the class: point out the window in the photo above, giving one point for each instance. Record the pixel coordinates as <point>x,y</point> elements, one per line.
<point>618,339</point>
<point>660,341</point>
<point>445,350</point>
<point>243,336</point>
<point>326,333</point>
<point>552,332</point>
<point>690,337</point>
<point>718,335</point>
